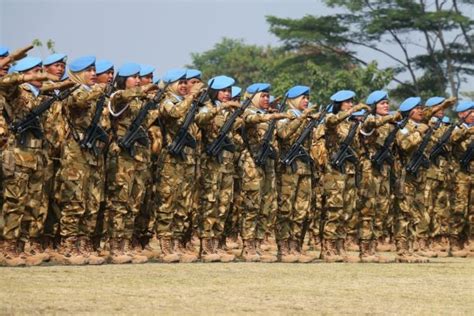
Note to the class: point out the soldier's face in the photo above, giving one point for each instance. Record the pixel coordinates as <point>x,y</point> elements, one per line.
<point>382,108</point>
<point>303,105</point>
<point>90,76</point>
<point>264,101</point>
<point>56,69</point>
<point>132,82</point>
<point>224,95</point>
<point>417,114</point>
<point>467,116</point>
<point>439,114</point>
<point>347,105</point>
<point>182,87</point>
<point>33,71</point>
<point>191,82</point>
<point>106,77</point>
<point>146,79</point>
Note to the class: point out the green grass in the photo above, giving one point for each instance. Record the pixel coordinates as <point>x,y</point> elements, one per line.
<point>444,286</point>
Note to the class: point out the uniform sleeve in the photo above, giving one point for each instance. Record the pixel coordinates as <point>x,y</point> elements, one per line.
<point>459,135</point>
<point>169,109</point>
<point>205,115</point>
<point>286,128</point>
<point>253,117</point>
<point>11,79</point>
<point>333,119</point>
<point>407,141</point>
<point>81,98</point>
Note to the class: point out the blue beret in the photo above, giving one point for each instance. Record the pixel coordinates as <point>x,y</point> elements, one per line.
<point>102,66</point>
<point>235,91</point>
<point>259,86</point>
<point>3,51</point>
<point>410,103</point>
<point>193,73</point>
<point>145,70</point>
<point>434,101</point>
<point>446,120</point>
<point>359,113</point>
<point>297,91</point>
<point>54,58</point>
<point>128,69</point>
<point>221,82</point>
<point>27,63</point>
<point>464,106</point>
<point>81,63</point>
<point>174,75</point>
<point>376,96</point>
<point>342,95</point>
<point>331,107</point>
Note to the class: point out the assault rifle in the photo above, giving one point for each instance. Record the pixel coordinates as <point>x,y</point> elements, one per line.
<point>135,132</point>
<point>94,132</point>
<point>183,138</point>
<point>384,154</point>
<point>439,149</point>
<point>222,141</point>
<point>419,159</point>
<point>31,123</point>
<point>345,152</point>
<point>266,150</point>
<point>297,150</point>
<point>467,158</point>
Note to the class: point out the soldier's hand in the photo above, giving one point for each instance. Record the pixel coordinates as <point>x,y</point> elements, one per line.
<point>315,116</point>
<point>196,89</point>
<point>397,116</point>
<point>149,87</point>
<point>450,101</point>
<point>307,112</point>
<point>230,105</point>
<point>359,107</point>
<point>279,116</point>
<point>42,76</point>
<point>20,53</point>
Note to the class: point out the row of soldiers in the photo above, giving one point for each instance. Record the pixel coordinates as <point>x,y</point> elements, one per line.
<point>97,163</point>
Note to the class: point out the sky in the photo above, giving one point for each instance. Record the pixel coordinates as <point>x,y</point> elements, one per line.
<point>162,33</point>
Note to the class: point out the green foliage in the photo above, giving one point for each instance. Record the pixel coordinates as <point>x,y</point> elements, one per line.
<point>50,45</point>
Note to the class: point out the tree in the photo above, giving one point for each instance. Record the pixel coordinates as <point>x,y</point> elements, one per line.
<point>433,40</point>
<point>285,68</point>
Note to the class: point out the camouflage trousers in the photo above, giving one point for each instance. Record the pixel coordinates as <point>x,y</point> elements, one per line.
<point>438,204</point>
<point>80,193</point>
<point>175,191</point>
<point>317,203</point>
<point>373,203</point>
<point>260,199</point>
<point>25,207</point>
<point>51,226</point>
<point>335,208</point>
<point>127,180</point>
<point>410,209</point>
<point>293,204</point>
<point>462,216</point>
<point>234,219</point>
<point>217,193</point>
<point>351,199</point>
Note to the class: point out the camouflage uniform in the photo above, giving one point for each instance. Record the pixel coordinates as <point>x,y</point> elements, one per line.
<point>127,176</point>
<point>258,183</point>
<point>410,217</point>
<point>294,189</point>
<point>462,215</point>
<point>81,174</point>
<point>176,175</point>
<point>23,166</point>
<point>437,189</point>
<point>217,180</point>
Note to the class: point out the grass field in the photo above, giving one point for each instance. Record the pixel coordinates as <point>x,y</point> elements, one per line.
<point>444,286</point>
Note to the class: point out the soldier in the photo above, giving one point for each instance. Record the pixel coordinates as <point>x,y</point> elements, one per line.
<point>54,132</point>
<point>81,174</point>
<point>128,167</point>
<point>258,177</point>
<point>146,74</point>
<point>374,193</point>
<point>294,189</point>
<point>463,211</point>
<point>105,71</point>
<point>336,183</point>
<point>437,189</point>
<point>23,165</point>
<point>217,177</point>
<point>177,173</point>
